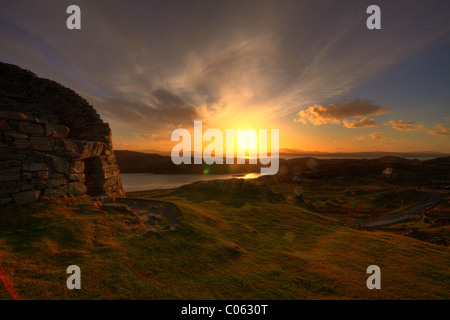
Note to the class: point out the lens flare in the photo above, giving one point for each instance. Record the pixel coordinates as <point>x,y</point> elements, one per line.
<point>247,139</point>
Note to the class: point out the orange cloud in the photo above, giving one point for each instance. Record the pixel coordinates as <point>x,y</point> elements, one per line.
<point>333,113</point>
<point>376,136</point>
<point>373,136</point>
<point>440,130</point>
<point>402,125</point>
<point>363,123</point>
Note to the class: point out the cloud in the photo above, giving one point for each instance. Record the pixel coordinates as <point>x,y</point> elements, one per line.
<point>165,99</point>
<point>334,113</point>
<point>238,55</point>
<point>221,61</point>
<point>363,123</point>
<point>373,136</point>
<point>162,109</point>
<point>440,130</point>
<point>376,136</point>
<point>402,125</point>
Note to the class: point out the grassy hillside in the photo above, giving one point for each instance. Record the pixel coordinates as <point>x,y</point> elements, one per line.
<point>260,247</point>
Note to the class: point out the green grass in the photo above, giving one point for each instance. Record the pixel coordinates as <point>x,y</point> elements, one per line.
<point>259,247</point>
<point>371,200</point>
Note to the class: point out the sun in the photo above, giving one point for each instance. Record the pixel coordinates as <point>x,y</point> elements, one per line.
<point>246,139</point>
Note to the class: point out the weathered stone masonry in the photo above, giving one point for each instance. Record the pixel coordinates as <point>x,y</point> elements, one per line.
<point>52,142</point>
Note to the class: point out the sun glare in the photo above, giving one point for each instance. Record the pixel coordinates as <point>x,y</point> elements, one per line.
<point>247,139</point>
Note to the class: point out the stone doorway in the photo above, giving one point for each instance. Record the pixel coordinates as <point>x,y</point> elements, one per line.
<point>95,177</point>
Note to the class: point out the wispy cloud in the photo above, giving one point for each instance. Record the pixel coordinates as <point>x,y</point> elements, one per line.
<point>372,136</point>
<point>376,135</point>
<point>161,109</point>
<point>440,130</point>
<point>158,64</point>
<point>402,125</point>
<point>269,58</point>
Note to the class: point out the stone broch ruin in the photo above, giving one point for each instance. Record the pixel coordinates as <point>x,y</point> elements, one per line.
<point>52,142</point>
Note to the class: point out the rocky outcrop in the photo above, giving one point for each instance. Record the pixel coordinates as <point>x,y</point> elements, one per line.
<point>52,142</point>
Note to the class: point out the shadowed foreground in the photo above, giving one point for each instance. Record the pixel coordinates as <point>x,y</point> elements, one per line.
<point>259,246</point>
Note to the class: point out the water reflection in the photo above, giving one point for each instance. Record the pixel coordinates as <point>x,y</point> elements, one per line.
<point>149,181</point>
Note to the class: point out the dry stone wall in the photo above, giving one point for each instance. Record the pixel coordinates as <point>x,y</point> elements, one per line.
<point>52,142</point>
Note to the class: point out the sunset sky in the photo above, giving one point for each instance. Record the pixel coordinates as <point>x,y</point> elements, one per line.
<point>311,69</point>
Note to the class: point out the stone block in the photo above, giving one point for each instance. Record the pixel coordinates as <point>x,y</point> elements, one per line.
<point>9,163</point>
<point>31,128</point>
<point>5,191</point>
<point>27,175</point>
<point>42,143</point>
<point>26,187</point>
<point>21,143</point>
<point>10,174</point>
<point>41,174</point>
<point>55,182</point>
<point>4,125</point>
<point>59,164</point>
<point>5,200</point>
<point>49,192</point>
<point>76,177</point>
<point>16,135</point>
<point>77,167</point>
<point>57,131</point>
<point>35,156</point>
<point>89,149</point>
<point>8,184</point>
<point>26,197</point>
<point>70,146</point>
<point>34,166</point>
<point>11,115</point>
<point>77,188</point>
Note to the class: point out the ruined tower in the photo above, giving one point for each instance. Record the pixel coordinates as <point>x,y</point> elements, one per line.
<point>52,142</point>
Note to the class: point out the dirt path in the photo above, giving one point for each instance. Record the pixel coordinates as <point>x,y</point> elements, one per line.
<point>414,212</point>
<point>151,209</point>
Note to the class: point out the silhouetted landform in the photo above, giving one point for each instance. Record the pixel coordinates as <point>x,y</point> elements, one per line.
<point>139,162</point>
<point>52,142</point>
<point>398,169</point>
<point>373,154</point>
<point>291,153</point>
<point>389,168</point>
<point>412,155</point>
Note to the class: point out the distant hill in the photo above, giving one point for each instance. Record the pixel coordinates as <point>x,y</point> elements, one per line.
<point>376,154</point>
<point>408,169</point>
<point>139,162</point>
<point>287,152</point>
